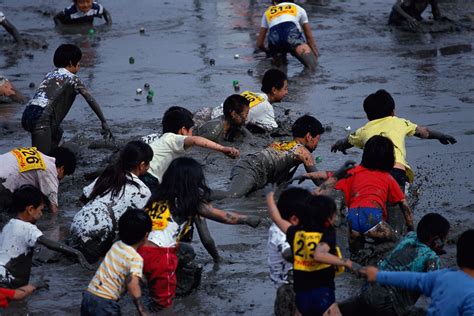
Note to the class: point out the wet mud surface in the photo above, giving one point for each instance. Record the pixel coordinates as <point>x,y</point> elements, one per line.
<point>430,76</point>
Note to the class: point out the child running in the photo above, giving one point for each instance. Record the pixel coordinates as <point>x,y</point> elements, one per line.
<point>82,12</point>
<point>20,235</point>
<point>284,21</point>
<point>121,269</point>
<point>53,99</point>
<point>315,254</point>
<point>94,228</point>
<point>180,201</point>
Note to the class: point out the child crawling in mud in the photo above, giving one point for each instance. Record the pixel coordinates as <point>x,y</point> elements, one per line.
<point>181,200</point>
<point>408,12</point>
<point>82,12</point>
<point>316,257</point>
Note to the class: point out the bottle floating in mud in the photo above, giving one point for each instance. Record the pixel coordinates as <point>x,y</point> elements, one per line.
<point>250,72</point>
<point>212,62</point>
<point>142,30</point>
<point>236,85</point>
<point>149,97</point>
<point>31,85</point>
<point>348,128</point>
<point>319,159</point>
<point>236,56</point>
<point>131,60</point>
<point>139,91</point>
<point>91,32</point>
<point>146,86</point>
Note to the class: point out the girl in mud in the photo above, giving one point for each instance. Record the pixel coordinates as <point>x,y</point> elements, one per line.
<point>284,22</point>
<point>94,228</point>
<point>180,201</point>
<point>315,254</point>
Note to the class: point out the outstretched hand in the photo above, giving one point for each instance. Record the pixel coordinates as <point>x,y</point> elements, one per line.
<point>41,284</point>
<point>339,146</point>
<point>83,262</point>
<point>231,152</point>
<point>106,132</point>
<point>447,139</point>
<point>342,171</point>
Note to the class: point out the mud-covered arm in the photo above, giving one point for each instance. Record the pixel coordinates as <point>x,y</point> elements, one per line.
<point>199,141</point>
<point>425,132</point>
<point>341,145</point>
<point>97,110</point>
<point>206,238</point>
<point>407,213</point>
<point>308,33</point>
<point>261,39</point>
<point>435,9</point>
<point>60,247</point>
<point>322,255</point>
<point>308,161</point>
<point>230,218</point>
<point>10,28</point>
<point>107,17</point>
<point>135,291</point>
<point>60,18</point>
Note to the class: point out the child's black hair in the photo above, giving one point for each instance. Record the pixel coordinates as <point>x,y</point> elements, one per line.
<point>115,177</point>
<point>64,158</point>
<point>24,196</point>
<point>379,105</point>
<point>432,225</point>
<point>307,124</point>
<point>465,255</point>
<point>379,154</point>
<point>175,118</point>
<point>184,187</point>
<point>67,55</point>
<point>134,224</point>
<point>234,103</point>
<point>317,213</point>
<point>273,78</point>
<point>292,201</point>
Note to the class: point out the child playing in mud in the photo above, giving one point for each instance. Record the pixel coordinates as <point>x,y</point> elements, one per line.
<point>121,268</point>
<point>27,166</point>
<point>10,28</point>
<point>408,12</point>
<point>278,162</point>
<point>180,201</point>
<point>53,99</point>
<point>82,12</point>
<point>20,235</point>
<point>94,228</point>
<point>280,257</point>
<point>315,254</point>
<point>380,110</point>
<point>261,117</point>
<point>367,190</point>
<point>231,126</point>
<point>177,138</point>
<point>451,290</point>
<point>284,22</point>
<point>417,252</point>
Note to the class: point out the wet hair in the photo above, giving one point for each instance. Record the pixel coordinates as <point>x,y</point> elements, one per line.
<point>273,78</point>
<point>175,118</point>
<point>234,103</point>
<point>292,201</point>
<point>133,225</point>
<point>114,178</point>
<point>66,55</point>
<point>307,124</point>
<point>379,154</point>
<point>317,213</point>
<point>464,254</point>
<point>64,158</point>
<point>184,187</point>
<point>379,105</point>
<point>25,196</point>
<point>432,225</point>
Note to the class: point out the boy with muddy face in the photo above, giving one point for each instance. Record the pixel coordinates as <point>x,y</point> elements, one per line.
<point>409,12</point>
<point>82,12</point>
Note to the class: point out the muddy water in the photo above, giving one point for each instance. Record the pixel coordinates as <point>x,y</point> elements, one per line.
<point>432,85</point>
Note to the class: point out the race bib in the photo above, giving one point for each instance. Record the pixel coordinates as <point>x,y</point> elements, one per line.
<point>28,158</point>
<point>159,214</point>
<point>278,10</point>
<point>284,146</point>
<point>252,98</point>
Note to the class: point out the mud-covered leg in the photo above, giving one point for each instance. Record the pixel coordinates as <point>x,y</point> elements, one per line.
<point>188,273</point>
<point>396,219</point>
<point>306,56</point>
<point>41,138</point>
<point>285,301</point>
<point>241,184</point>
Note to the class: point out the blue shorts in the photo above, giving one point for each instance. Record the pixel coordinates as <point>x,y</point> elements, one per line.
<point>284,38</point>
<point>93,305</point>
<point>363,219</point>
<point>31,115</point>
<point>316,301</point>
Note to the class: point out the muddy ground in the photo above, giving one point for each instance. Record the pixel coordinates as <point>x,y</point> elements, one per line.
<point>430,76</point>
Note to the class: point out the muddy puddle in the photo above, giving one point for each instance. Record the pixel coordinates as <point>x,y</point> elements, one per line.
<point>430,75</point>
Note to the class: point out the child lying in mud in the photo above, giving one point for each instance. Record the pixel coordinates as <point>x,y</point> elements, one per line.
<point>82,12</point>
<point>180,201</point>
<point>418,252</point>
<point>20,235</point>
<point>95,227</point>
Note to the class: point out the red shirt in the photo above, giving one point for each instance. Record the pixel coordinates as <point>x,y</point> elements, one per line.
<point>370,188</point>
<point>5,296</point>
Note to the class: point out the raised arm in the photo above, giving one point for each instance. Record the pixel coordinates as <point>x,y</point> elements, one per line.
<point>273,210</point>
<point>199,141</point>
<point>60,247</point>
<point>206,238</point>
<point>310,38</point>
<point>10,28</point>
<point>97,110</point>
<point>426,133</point>
<point>135,291</point>
<point>230,218</point>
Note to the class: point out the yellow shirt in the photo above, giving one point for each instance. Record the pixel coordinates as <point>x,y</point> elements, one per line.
<point>121,261</point>
<point>392,127</point>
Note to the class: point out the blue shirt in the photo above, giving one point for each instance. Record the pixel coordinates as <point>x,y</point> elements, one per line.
<point>451,291</point>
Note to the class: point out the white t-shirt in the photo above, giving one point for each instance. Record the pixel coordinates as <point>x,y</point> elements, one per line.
<point>284,12</point>
<point>45,180</point>
<point>165,149</point>
<point>261,112</point>
<point>94,218</point>
<point>17,238</point>
<point>165,231</point>
<point>276,244</point>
